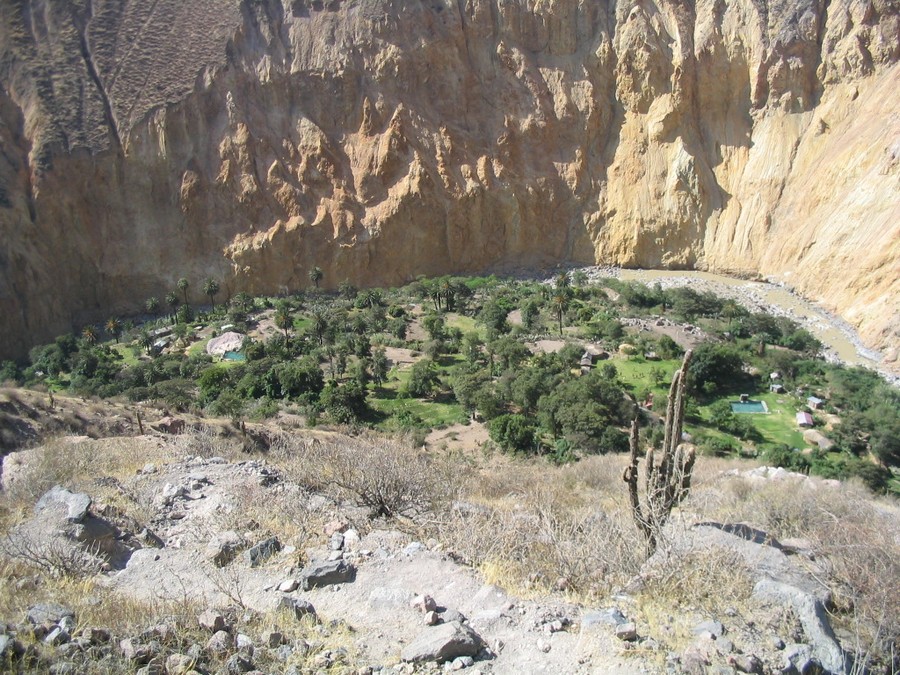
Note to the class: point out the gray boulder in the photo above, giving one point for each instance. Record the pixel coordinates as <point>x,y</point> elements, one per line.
<point>264,550</point>
<point>317,575</point>
<point>47,612</point>
<point>824,646</point>
<point>443,643</point>
<point>299,607</point>
<point>75,503</point>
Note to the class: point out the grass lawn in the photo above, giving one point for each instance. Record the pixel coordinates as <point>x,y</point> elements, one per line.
<point>128,359</point>
<point>465,323</point>
<point>388,399</point>
<point>635,374</point>
<point>198,347</point>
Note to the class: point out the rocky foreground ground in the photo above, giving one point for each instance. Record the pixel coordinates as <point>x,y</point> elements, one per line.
<point>196,563</point>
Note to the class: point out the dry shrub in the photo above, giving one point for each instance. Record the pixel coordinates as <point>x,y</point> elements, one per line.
<point>204,440</point>
<point>711,578</point>
<point>527,525</point>
<point>382,473</point>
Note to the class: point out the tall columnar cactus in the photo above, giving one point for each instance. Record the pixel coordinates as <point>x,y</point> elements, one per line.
<point>668,471</point>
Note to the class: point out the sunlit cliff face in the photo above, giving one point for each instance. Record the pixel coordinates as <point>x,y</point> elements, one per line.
<point>250,141</point>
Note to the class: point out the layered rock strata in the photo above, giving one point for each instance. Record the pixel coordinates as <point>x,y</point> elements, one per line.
<point>250,140</point>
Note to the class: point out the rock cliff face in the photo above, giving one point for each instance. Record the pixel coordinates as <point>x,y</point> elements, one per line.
<point>249,140</point>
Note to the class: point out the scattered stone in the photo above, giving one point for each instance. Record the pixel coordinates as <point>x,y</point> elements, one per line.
<point>224,547</point>
<point>9,647</point>
<point>57,636</point>
<point>351,539</point>
<point>179,664</point>
<point>461,662</point>
<point>219,643</point>
<point>244,644</point>
<point>432,618</point>
<point>133,650</point>
<point>453,615</point>
<point>273,638</point>
<point>413,548</point>
<point>627,632</point>
<point>75,503</point>
<point>746,663</point>
<point>442,643</point>
<point>62,668</point>
<point>562,584</point>
<point>262,551</point>
<point>554,626</point>
<point>212,621</point>
<point>335,555</point>
<point>543,646</point>
<point>288,585</point>
<point>334,527</point>
<point>608,617</point>
<point>169,425</point>
<point>777,643</point>
<point>299,607</point>
<point>47,612</point>
<point>424,603</point>
<point>317,575</point>
<point>337,541</point>
<point>238,663</point>
<point>713,628</point>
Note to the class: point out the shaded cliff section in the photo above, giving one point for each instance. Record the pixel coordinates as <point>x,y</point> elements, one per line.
<point>250,140</point>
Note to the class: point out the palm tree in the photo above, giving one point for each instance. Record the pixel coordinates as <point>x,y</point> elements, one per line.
<point>562,280</point>
<point>315,275</point>
<point>90,334</point>
<point>173,301</point>
<point>152,305</point>
<point>320,325</point>
<point>283,319</point>
<point>371,297</point>
<point>183,286</point>
<point>114,327</point>
<point>211,288</point>
<point>146,342</point>
<point>560,302</point>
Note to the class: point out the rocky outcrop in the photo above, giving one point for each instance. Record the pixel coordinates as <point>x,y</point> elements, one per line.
<point>250,141</point>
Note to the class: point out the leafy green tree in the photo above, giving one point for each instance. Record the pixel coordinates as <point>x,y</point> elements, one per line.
<point>293,379</point>
<point>514,433</point>
<point>346,403</point>
<point>434,325</point>
<point>183,286</point>
<point>114,327</point>
<point>714,367</point>
<point>315,275</point>
<point>347,290</point>
<point>423,379</point>
<point>211,289</point>
<point>379,365</point>
<point>530,310</point>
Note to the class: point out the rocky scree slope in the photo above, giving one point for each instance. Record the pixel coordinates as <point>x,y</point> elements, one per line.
<point>249,141</point>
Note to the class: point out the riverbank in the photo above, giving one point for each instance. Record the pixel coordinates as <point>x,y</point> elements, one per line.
<point>842,342</point>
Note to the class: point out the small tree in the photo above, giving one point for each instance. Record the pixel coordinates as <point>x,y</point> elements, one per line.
<point>211,288</point>
<point>90,334</point>
<point>315,275</point>
<point>183,286</point>
<point>668,475</point>
<point>152,305</point>
<point>283,319</point>
<point>173,301</point>
<point>114,327</point>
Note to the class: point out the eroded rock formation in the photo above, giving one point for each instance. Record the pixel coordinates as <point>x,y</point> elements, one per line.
<point>252,139</point>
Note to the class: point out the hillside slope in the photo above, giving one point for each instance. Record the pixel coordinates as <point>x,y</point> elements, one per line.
<point>250,140</point>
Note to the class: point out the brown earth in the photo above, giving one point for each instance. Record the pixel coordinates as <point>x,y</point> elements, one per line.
<point>143,142</point>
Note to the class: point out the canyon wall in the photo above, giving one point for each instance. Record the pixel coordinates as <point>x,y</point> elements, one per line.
<point>249,140</point>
